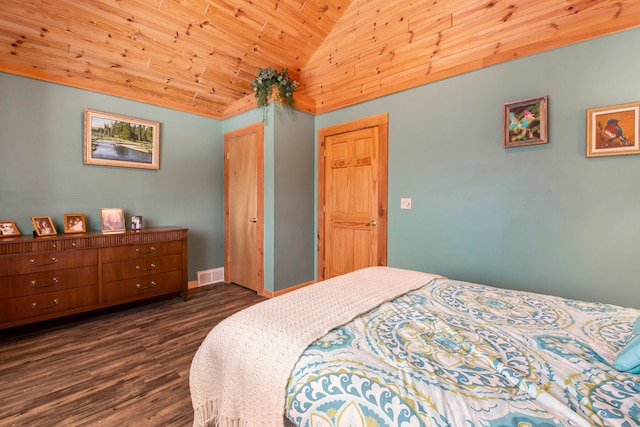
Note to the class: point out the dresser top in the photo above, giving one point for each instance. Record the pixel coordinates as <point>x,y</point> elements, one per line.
<point>90,239</point>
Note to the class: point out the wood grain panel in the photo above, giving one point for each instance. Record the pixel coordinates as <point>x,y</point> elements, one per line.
<point>143,286</point>
<point>480,34</point>
<point>200,56</point>
<point>140,267</point>
<point>36,283</point>
<point>121,366</point>
<point>132,252</point>
<point>39,262</point>
<point>44,305</point>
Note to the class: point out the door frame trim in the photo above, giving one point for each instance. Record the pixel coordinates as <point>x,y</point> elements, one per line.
<point>258,129</point>
<point>381,121</point>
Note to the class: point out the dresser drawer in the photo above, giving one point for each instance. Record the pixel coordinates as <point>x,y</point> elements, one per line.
<point>139,251</point>
<point>140,267</point>
<point>141,286</point>
<point>44,278</point>
<point>47,261</point>
<point>48,281</point>
<point>43,305</point>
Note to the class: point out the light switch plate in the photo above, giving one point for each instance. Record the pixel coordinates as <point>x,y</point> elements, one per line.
<point>405,203</point>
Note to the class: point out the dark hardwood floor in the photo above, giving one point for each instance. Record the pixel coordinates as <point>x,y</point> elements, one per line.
<point>122,366</point>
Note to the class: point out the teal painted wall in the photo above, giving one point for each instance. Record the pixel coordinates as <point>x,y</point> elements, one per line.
<point>289,242</point>
<point>294,201</point>
<point>42,170</point>
<point>541,218</point>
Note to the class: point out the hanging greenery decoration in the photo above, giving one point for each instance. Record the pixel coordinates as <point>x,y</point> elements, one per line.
<point>269,83</point>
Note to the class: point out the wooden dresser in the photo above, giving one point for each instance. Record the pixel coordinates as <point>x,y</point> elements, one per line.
<point>46,277</point>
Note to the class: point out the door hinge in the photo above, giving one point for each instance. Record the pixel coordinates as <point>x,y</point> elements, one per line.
<point>324,209</point>
<point>228,259</point>
<point>324,153</point>
<point>228,156</point>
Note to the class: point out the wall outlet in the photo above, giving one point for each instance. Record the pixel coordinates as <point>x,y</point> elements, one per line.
<point>405,203</point>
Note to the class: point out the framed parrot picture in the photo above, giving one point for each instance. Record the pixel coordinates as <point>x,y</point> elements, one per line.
<point>525,122</point>
<point>613,130</point>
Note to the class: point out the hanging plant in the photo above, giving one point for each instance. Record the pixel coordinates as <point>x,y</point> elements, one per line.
<point>270,83</point>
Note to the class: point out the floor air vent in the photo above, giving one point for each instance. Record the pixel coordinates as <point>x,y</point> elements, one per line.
<point>208,277</point>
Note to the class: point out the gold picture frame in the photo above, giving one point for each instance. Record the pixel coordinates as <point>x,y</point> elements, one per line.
<point>74,223</point>
<point>115,140</point>
<point>8,229</point>
<point>43,226</point>
<point>613,130</point>
<point>525,122</point>
<point>112,220</point>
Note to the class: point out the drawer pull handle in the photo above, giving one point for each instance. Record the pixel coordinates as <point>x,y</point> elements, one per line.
<point>151,250</point>
<point>34,305</point>
<point>35,284</point>
<point>151,267</point>
<point>151,285</point>
<point>34,262</point>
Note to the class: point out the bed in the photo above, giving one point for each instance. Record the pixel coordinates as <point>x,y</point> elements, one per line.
<point>393,347</point>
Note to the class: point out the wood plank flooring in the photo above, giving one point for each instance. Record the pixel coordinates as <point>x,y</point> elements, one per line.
<point>122,366</point>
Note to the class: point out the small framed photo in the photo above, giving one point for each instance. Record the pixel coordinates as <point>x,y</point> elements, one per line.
<point>613,130</point>
<point>112,220</point>
<point>74,223</point>
<point>136,222</point>
<point>525,122</point>
<point>43,225</point>
<point>115,140</point>
<point>8,229</point>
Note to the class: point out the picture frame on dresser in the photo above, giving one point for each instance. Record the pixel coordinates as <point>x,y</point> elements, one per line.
<point>74,223</point>
<point>8,229</point>
<point>43,226</point>
<point>136,223</point>
<point>112,220</point>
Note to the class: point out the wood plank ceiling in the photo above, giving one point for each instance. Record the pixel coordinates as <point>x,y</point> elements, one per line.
<point>200,56</point>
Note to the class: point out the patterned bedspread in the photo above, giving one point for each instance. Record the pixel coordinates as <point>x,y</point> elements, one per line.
<point>462,354</point>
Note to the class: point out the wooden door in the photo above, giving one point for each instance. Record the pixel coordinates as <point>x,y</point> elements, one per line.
<point>353,196</point>
<point>244,184</point>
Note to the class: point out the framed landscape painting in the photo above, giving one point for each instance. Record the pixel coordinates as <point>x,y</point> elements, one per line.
<point>115,140</point>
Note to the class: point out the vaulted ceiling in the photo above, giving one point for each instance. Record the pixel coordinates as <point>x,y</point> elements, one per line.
<point>200,56</point>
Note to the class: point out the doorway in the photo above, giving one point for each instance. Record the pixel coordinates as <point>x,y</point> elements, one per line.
<point>352,196</point>
<point>244,207</point>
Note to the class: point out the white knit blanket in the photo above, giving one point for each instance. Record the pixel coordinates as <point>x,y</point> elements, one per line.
<point>239,374</point>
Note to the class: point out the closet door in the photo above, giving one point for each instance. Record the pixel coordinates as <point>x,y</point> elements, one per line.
<point>244,201</point>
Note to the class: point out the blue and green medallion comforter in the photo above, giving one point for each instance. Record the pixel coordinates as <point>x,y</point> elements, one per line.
<point>462,354</point>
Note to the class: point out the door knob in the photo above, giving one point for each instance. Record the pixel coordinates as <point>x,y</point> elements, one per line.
<point>253,220</point>
<point>372,223</point>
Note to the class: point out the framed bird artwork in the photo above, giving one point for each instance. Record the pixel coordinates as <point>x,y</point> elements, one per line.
<point>525,122</point>
<point>613,130</point>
